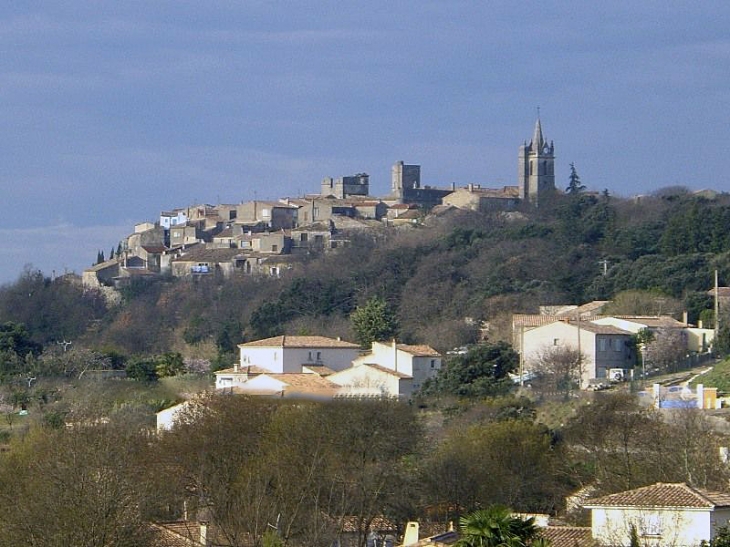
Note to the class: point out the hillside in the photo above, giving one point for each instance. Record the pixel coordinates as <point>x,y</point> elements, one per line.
<point>443,278</point>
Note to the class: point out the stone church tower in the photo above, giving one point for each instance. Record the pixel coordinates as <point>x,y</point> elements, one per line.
<point>536,169</point>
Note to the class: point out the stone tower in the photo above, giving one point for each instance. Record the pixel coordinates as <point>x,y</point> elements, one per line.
<point>404,178</point>
<point>536,169</point>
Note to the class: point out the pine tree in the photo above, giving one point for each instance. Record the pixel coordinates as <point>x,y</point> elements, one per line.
<point>574,184</point>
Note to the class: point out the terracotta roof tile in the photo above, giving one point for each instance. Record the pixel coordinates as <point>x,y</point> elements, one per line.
<point>300,342</point>
<point>567,536</point>
<point>321,370</point>
<point>386,370</point>
<point>663,495</point>
<point>599,329</point>
<point>584,308</point>
<point>533,320</point>
<point>421,350</point>
<point>304,380</point>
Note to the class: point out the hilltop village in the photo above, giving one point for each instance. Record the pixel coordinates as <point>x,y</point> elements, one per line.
<point>345,370</point>
<point>268,237</point>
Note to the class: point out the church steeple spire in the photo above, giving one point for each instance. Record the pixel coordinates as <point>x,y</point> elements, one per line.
<point>536,169</point>
<point>538,142</point>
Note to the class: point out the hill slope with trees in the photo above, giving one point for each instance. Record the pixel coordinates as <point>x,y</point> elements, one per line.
<point>435,282</point>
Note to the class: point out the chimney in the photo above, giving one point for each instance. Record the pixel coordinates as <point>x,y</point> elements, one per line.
<point>203,533</point>
<point>684,317</point>
<point>235,367</point>
<point>411,535</point>
<point>395,355</point>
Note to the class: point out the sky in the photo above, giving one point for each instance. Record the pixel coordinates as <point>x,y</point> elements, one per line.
<point>112,111</point>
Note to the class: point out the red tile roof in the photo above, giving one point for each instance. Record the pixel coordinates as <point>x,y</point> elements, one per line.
<point>386,370</point>
<point>663,495</point>
<point>303,380</point>
<point>567,536</point>
<point>421,350</point>
<point>300,342</point>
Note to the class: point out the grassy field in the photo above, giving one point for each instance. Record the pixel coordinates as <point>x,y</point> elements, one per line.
<point>718,377</point>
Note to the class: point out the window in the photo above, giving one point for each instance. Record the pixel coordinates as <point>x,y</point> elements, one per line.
<point>651,525</point>
<point>319,356</point>
<point>556,341</point>
<point>266,213</point>
<point>617,344</point>
<point>303,238</point>
<point>602,344</point>
<point>433,363</point>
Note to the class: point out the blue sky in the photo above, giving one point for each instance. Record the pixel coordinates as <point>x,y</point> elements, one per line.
<point>113,111</point>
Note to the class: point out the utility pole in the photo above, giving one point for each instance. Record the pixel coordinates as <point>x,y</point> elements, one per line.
<point>717,308</point>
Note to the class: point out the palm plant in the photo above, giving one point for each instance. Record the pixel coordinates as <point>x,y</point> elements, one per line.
<point>495,526</point>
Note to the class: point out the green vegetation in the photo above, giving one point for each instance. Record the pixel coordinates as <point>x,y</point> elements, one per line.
<point>495,527</point>
<point>480,372</point>
<point>374,322</point>
<point>482,266</point>
<point>471,442</point>
<point>718,377</point>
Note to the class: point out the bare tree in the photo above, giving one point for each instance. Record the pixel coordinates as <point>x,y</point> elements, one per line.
<point>561,368</point>
<point>667,350</point>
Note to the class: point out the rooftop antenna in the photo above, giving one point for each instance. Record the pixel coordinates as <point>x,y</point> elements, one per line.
<point>538,111</point>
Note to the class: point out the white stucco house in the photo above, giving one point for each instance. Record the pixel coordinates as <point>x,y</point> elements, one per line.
<point>604,347</point>
<point>369,380</point>
<point>666,514</point>
<point>420,362</point>
<point>389,369</point>
<point>697,339</point>
<point>292,384</point>
<point>287,354</point>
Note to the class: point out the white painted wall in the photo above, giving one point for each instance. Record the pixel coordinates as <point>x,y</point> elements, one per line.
<point>367,380</point>
<point>674,527</point>
<point>278,359</point>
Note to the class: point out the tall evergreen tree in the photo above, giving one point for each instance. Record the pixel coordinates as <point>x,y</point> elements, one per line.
<point>574,184</point>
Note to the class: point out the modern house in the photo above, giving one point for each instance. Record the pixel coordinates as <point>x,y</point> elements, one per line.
<point>288,354</point>
<point>604,347</point>
<point>395,370</point>
<point>662,514</point>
